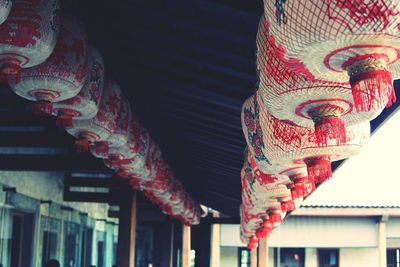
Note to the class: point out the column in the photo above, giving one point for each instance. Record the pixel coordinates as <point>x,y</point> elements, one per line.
<point>127,231</point>
<point>215,245</point>
<point>382,240</point>
<point>263,253</point>
<point>253,258</point>
<point>186,246</point>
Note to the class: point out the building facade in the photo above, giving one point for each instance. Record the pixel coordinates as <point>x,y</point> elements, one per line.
<point>325,237</point>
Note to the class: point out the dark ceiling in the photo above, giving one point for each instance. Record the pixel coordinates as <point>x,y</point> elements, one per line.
<point>186,66</point>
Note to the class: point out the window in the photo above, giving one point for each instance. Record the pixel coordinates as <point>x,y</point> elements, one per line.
<point>328,257</point>
<point>393,257</point>
<point>289,257</point>
<point>71,244</point>
<point>50,240</point>
<point>244,257</point>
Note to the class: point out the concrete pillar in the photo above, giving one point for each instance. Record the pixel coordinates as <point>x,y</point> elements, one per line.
<point>382,240</point>
<point>263,253</point>
<point>253,258</point>
<point>215,245</point>
<point>186,246</point>
<point>127,231</point>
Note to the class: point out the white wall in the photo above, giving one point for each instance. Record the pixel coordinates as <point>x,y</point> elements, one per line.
<point>48,186</point>
<point>311,257</point>
<point>229,257</point>
<point>350,257</point>
<point>314,232</point>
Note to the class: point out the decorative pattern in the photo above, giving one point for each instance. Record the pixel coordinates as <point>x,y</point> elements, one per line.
<point>27,39</point>
<point>62,75</point>
<point>83,106</point>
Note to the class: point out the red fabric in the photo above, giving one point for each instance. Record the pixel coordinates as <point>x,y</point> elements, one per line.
<point>330,128</point>
<point>319,169</point>
<point>43,108</point>
<point>372,88</point>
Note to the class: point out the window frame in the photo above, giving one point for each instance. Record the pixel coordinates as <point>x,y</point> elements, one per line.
<point>336,250</point>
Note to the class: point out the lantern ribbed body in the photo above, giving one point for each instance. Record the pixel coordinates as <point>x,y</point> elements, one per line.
<point>5,8</point>
<point>127,152</point>
<point>342,41</point>
<point>28,35</point>
<point>326,34</point>
<point>85,104</point>
<point>104,123</point>
<point>135,167</point>
<point>291,95</point>
<point>63,74</point>
<point>119,137</point>
<point>284,143</point>
<point>254,136</point>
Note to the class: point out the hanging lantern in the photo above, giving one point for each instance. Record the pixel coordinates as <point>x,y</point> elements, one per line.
<point>285,143</point>
<point>5,8</point>
<point>62,75</point>
<point>355,42</point>
<point>103,124</point>
<point>84,106</point>
<point>28,35</point>
<point>291,95</point>
<point>120,135</point>
<point>118,155</point>
<point>254,136</point>
<point>135,167</point>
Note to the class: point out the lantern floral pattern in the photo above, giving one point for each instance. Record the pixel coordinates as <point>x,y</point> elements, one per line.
<point>28,35</point>
<point>103,124</point>
<point>62,75</point>
<point>120,135</point>
<point>85,104</point>
<point>342,41</point>
<point>290,95</point>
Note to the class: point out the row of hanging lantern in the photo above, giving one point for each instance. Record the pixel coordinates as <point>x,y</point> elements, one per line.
<point>325,70</point>
<point>45,57</point>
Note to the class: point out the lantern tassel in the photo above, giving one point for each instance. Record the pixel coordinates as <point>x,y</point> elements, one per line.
<point>101,148</point>
<point>65,121</point>
<point>43,108</point>
<point>372,89</point>
<point>288,206</point>
<point>319,169</point>
<point>82,145</point>
<point>327,128</point>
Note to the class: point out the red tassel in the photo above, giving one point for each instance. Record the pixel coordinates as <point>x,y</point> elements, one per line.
<point>319,169</point>
<point>82,145</point>
<point>288,206</point>
<point>327,128</point>
<point>275,218</point>
<point>372,89</point>
<point>102,148</point>
<point>253,243</point>
<point>262,233</point>
<point>64,120</point>
<point>43,108</point>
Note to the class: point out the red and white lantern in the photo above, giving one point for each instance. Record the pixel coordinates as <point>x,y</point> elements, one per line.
<point>118,155</point>
<point>119,137</point>
<point>84,106</point>
<point>342,41</point>
<point>286,143</point>
<point>5,7</point>
<point>135,167</point>
<point>28,35</point>
<point>62,75</point>
<point>103,124</point>
<point>291,95</point>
